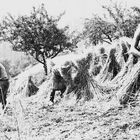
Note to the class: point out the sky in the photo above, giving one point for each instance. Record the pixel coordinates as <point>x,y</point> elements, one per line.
<point>75,10</point>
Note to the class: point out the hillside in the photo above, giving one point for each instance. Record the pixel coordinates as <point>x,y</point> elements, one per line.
<point>101,117</point>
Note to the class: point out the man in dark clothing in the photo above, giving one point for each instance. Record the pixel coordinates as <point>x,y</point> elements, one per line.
<point>59,84</point>
<point>4,85</point>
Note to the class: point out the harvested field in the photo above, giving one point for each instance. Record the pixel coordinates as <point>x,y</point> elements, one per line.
<point>105,106</point>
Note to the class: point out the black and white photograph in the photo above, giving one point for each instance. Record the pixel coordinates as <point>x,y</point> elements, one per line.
<point>69,70</point>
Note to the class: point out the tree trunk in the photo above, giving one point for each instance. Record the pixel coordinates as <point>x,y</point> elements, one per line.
<point>45,68</point>
<point>45,64</point>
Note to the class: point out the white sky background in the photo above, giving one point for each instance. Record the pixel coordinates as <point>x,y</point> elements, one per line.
<point>76,11</point>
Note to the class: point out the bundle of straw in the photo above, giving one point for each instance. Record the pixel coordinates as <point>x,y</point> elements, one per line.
<point>85,84</point>
<point>81,81</point>
<point>111,69</point>
<point>130,88</point>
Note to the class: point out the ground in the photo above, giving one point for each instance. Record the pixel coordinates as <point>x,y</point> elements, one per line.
<point>34,118</point>
<point>88,121</point>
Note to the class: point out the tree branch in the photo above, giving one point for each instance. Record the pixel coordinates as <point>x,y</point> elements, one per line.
<point>60,50</point>
<point>36,57</point>
<point>106,41</point>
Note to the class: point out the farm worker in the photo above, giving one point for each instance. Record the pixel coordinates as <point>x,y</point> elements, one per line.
<point>4,85</point>
<point>59,84</point>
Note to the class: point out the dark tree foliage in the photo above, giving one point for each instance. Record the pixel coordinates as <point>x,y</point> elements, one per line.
<point>99,30</point>
<point>125,20</point>
<point>36,34</point>
<point>117,21</point>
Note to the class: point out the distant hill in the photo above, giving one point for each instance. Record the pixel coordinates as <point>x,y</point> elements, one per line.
<point>6,52</point>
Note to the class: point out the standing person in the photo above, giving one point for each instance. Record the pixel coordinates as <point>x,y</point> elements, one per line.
<point>59,84</point>
<point>4,85</point>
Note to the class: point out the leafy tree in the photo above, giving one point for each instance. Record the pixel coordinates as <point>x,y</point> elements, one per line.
<point>99,30</point>
<point>125,20</point>
<point>116,22</point>
<point>36,34</point>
